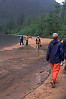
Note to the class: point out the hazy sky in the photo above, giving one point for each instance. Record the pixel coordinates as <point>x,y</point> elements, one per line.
<point>60,1</point>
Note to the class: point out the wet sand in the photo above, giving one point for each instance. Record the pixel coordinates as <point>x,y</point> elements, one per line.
<point>22,69</point>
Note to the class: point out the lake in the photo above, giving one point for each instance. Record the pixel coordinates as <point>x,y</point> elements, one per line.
<point>8,40</point>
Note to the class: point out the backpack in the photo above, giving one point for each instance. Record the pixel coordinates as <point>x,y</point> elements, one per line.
<point>20,37</point>
<point>38,41</point>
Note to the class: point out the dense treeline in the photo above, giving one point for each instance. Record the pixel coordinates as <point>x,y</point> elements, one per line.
<point>43,25</point>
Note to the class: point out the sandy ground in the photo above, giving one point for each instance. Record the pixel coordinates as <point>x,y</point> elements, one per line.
<point>43,91</point>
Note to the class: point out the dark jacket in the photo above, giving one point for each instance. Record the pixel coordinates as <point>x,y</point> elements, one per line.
<point>21,38</point>
<point>64,45</point>
<point>55,52</point>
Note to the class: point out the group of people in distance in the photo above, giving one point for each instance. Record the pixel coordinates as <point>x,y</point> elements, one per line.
<point>56,53</point>
<point>21,40</point>
<point>38,41</point>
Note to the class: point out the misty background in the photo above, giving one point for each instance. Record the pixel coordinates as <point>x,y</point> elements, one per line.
<point>15,8</point>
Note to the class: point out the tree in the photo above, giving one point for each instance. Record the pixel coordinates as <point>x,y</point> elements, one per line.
<point>63,13</point>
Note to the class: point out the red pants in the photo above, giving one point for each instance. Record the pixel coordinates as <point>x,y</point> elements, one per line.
<point>54,70</point>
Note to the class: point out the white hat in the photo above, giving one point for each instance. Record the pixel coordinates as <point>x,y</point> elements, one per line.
<point>55,35</point>
<point>37,36</point>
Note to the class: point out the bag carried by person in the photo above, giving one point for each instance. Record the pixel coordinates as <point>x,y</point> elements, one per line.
<point>40,45</point>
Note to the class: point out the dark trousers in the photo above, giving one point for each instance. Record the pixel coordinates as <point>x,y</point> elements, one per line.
<point>26,42</point>
<point>21,42</point>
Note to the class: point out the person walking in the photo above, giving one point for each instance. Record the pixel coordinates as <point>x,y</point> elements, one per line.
<point>26,38</point>
<point>56,56</point>
<point>21,40</point>
<point>38,42</point>
<point>64,48</point>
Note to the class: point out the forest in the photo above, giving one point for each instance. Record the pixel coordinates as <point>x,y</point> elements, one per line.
<point>43,25</point>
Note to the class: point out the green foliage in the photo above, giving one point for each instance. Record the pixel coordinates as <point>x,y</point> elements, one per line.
<point>43,25</point>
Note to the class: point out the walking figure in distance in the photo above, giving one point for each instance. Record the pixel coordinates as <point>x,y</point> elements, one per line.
<point>21,40</point>
<point>56,56</point>
<point>26,38</point>
<point>38,42</point>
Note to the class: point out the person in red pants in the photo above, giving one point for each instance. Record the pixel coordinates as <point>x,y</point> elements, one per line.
<point>55,55</point>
